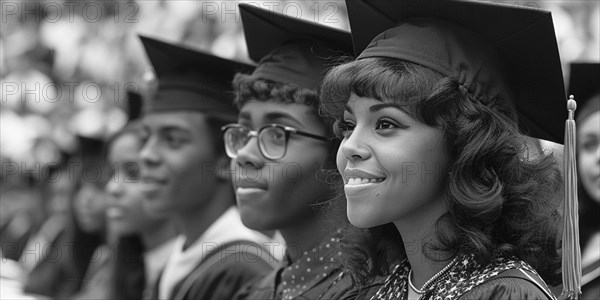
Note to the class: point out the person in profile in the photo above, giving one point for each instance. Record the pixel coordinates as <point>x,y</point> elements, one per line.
<point>446,201</point>
<point>185,175</point>
<point>283,155</point>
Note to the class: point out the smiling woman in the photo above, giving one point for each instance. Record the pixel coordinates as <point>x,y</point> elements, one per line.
<point>448,187</point>
<point>143,240</point>
<point>436,171</point>
<point>380,142</point>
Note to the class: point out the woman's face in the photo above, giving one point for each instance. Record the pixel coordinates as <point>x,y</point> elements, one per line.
<point>90,208</point>
<point>393,165</point>
<point>588,137</point>
<point>125,210</point>
<point>60,195</point>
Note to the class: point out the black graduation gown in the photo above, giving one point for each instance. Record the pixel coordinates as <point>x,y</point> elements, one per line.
<point>222,272</point>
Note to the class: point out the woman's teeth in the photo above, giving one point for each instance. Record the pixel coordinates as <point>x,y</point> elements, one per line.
<point>354,181</point>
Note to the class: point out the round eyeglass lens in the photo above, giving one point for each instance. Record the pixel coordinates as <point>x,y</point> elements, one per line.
<point>273,142</point>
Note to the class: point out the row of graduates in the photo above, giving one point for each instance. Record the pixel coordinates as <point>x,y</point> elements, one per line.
<point>401,174</point>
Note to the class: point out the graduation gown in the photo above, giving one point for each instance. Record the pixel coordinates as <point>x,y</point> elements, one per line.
<point>590,271</point>
<point>502,278</point>
<point>97,283</point>
<point>14,234</point>
<point>317,274</point>
<point>216,265</point>
<point>590,281</point>
<point>52,275</point>
<point>223,272</point>
<point>590,260</point>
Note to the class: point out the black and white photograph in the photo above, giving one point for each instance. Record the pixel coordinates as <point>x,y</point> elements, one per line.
<point>299,149</point>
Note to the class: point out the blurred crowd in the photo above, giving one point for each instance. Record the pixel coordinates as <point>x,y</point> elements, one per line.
<point>64,63</point>
<point>66,68</point>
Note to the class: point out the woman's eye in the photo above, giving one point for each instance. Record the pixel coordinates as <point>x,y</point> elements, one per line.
<point>132,170</point>
<point>590,145</point>
<point>385,124</point>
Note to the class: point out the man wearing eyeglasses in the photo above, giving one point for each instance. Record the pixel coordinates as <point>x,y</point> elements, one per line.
<point>281,150</point>
<point>185,175</point>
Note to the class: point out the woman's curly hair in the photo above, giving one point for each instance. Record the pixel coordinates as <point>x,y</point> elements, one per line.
<point>501,201</point>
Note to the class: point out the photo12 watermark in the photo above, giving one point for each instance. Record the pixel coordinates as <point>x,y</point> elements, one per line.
<point>69,11</point>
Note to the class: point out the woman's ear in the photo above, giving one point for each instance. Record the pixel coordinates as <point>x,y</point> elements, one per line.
<point>223,167</point>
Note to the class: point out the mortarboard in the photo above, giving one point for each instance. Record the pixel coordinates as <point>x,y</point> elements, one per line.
<point>90,160</point>
<point>584,85</point>
<point>291,50</point>
<point>191,80</point>
<point>90,148</point>
<point>493,50</point>
<point>134,105</point>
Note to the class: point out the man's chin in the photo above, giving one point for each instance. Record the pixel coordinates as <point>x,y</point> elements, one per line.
<point>155,207</point>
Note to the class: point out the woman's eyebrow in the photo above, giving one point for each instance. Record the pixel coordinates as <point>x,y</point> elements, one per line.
<point>378,107</point>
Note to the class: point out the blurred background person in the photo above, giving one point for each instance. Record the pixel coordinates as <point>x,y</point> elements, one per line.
<point>185,175</point>
<point>144,241</point>
<point>20,215</point>
<point>77,257</point>
<point>584,84</point>
<point>58,191</point>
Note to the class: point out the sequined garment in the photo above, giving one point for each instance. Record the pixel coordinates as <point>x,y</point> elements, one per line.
<point>316,275</point>
<point>312,267</point>
<point>460,279</point>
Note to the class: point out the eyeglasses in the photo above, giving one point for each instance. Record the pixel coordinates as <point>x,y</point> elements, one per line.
<point>272,139</point>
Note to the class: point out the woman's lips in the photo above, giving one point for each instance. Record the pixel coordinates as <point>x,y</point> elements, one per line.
<point>115,212</point>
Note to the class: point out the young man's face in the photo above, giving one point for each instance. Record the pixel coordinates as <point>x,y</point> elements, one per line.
<point>178,162</point>
<point>276,194</point>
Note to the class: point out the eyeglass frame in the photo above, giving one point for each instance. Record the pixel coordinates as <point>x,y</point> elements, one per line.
<point>288,130</point>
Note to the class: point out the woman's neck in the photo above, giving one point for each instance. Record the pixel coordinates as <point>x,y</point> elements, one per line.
<point>418,231</point>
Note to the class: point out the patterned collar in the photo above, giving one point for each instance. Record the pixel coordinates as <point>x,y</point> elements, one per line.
<point>460,279</point>
<point>309,270</point>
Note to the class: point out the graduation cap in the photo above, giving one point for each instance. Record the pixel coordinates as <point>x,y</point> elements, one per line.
<point>584,85</point>
<point>134,105</point>
<point>90,160</point>
<point>291,50</point>
<point>495,51</point>
<point>90,148</point>
<point>191,80</point>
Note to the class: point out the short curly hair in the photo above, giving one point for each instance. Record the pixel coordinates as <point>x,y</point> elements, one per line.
<point>501,201</point>
<point>248,88</point>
